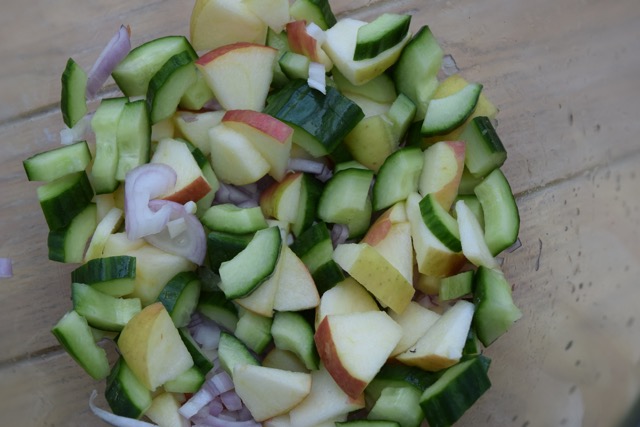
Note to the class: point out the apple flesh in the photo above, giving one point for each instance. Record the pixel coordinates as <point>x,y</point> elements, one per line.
<point>191,185</point>
<point>281,199</point>
<point>269,392</point>
<point>274,13</point>
<point>233,158</point>
<point>371,141</point>
<point>345,297</point>
<point>442,171</point>
<point>164,411</point>
<point>376,274</point>
<point>196,126</point>
<point>239,74</point>
<point>353,347</point>
<point>216,23</point>
<point>152,347</point>
<point>296,288</point>
<point>415,320</point>
<point>301,42</point>
<point>441,346</point>
<point>271,137</point>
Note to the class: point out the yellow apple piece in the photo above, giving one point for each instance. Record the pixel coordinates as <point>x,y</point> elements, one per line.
<point>325,402</point>
<point>376,274</point>
<point>269,392</point>
<point>233,158</point>
<point>274,13</point>
<point>191,185</point>
<point>164,411</point>
<point>296,288</point>
<point>354,346</point>
<point>441,346</point>
<point>442,171</point>
<point>195,127</point>
<point>216,23</point>
<point>239,74</point>
<point>371,141</point>
<point>152,347</point>
<point>340,45</point>
<point>347,296</point>
<point>271,137</point>
<point>415,320</point>
<point>432,256</point>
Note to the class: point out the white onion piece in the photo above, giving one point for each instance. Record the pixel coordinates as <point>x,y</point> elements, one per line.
<point>191,207</point>
<point>197,402</point>
<point>317,77</point>
<point>191,243</point>
<point>313,167</point>
<point>6,268</point>
<point>115,420</point>
<point>317,33</point>
<point>79,132</point>
<point>222,382</point>
<point>142,184</point>
<point>113,53</point>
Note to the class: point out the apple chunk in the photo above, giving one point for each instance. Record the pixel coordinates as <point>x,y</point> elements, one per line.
<point>190,183</point>
<point>441,346</point>
<point>347,296</point>
<point>152,347</point>
<point>353,347</point>
<point>376,274</point>
<point>303,43</point>
<point>442,171</point>
<point>414,321</point>
<point>239,74</point>
<point>271,137</point>
<point>269,392</point>
<point>274,13</point>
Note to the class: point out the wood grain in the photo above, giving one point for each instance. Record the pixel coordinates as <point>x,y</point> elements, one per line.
<point>566,77</point>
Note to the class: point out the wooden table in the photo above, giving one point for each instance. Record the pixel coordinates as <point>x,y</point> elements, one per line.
<point>566,77</point>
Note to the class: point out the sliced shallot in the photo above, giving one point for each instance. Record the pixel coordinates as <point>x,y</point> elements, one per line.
<point>142,184</point>
<point>115,420</point>
<point>113,53</point>
<point>339,234</point>
<point>191,243</point>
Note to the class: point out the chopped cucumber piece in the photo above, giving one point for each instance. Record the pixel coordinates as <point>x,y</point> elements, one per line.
<point>440,222</point>
<point>73,101</point>
<point>68,244</point>
<point>103,311</point>
<point>53,164</point>
<point>445,114</point>
<point>232,351</point>
<point>113,276</point>
<point>317,11</point>
<point>484,150</point>
<point>168,86</point>
<point>457,286</point>
<point>398,177</point>
<point>133,137</point>
<point>229,218</point>
<point>386,31</point>
<point>180,297</point>
<point>218,308</point>
<point>292,332</point>
<point>64,198</point>
<point>125,394</point>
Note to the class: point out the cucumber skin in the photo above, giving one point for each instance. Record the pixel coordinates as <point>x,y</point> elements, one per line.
<point>71,202</point>
<point>69,98</point>
<point>117,395</point>
<point>366,49</point>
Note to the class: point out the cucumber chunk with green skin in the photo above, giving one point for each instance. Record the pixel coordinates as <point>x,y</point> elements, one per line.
<point>74,333</point>
<point>253,265</point>
<point>105,125</point>
<point>443,226</point>
<point>232,351</point>
<point>292,332</point>
<point>64,198</point>
<point>415,72</point>
<point>310,191</point>
<point>484,150</point>
<point>133,137</point>
<point>399,404</point>
<point>445,114</point>
<point>320,122</point>
<point>222,247</point>
<point>73,101</point>
<point>68,244</point>
<point>327,275</point>
<point>495,310</point>
<point>501,216</point>
<point>456,286</point>
<point>386,31</point>
<point>113,276</point>
<point>200,359</point>
<point>180,297</point>
<point>254,330</point>
<point>228,218</point>
<point>398,375</point>
<point>468,183</point>
<point>398,177</point>
<point>125,394</point>
<point>294,65</point>
<point>169,84</point>
<point>280,42</point>
<point>345,197</point>
<point>317,11</point>
<point>218,308</point>
<point>401,113</point>
<point>135,71</point>
<point>103,311</point>
<point>457,389</point>
<point>58,162</point>
<point>188,381</point>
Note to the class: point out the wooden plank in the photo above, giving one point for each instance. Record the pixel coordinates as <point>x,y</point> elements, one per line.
<point>576,346</point>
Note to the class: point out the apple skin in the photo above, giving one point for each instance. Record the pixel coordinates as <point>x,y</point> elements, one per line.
<point>300,41</point>
<point>442,171</point>
<point>191,185</point>
<point>152,347</point>
<point>271,137</point>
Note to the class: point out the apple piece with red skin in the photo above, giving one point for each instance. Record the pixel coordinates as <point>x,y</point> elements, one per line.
<point>325,402</point>
<point>347,296</point>
<point>239,74</point>
<point>233,158</point>
<point>191,185</point>
<point>271,137</point>
<point>415,320</point>
<point>354,346</point>
<point>442,171</point>
<point>300,41</point>
<point>216,23</point>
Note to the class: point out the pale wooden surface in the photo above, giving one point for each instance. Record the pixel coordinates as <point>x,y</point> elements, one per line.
<point>566,77</point>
